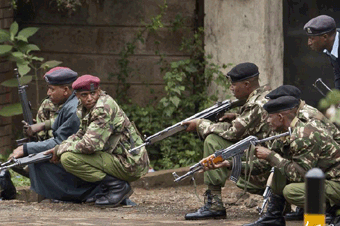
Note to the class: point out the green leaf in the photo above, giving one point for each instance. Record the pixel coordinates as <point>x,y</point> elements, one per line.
<point>10,110</point>
<point>28,32</point>
<point>14,81</point>
<point>4,49</point>
<point>30,47</point>
<point>13,30</point>
<point>175,100</point>
<point>38,58</point>
<point>21,38</point>
<point>50,64</point>
<point>4,36</point>
<point>23,69</point>
<point>18,54</point>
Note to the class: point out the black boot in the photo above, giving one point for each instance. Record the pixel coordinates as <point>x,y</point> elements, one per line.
<point>273,216</point>
<point>117,191</point>
<point>213,208</point>
<point>295,216</point>
<point>7,187</point>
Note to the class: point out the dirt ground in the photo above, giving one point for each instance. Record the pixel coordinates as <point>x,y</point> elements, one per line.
<point>157,206</point>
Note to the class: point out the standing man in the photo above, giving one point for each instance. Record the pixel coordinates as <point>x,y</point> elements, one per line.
<point>309,146</point>
<point>50,180</point>
<point>323,37</point>
<point>99,152</point>
<point>250,120</point>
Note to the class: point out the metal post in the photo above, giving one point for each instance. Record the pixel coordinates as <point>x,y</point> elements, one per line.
<point>315,198</point>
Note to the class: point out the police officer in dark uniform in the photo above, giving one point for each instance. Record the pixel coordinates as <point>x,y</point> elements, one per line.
<point>323,37</point>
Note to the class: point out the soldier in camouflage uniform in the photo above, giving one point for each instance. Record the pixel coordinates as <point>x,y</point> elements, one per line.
<point>308,146</point>
<point>306,113</point>
<point>47,114</point>
<point>99,151</point>
<point>250,120</point>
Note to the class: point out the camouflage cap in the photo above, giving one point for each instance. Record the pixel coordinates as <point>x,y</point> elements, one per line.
<point>60,76</point>
<point>320,25</point>
<point>281,104</point>
<point>86,83</point>
<point>243,71</point>
<point>284,90</point>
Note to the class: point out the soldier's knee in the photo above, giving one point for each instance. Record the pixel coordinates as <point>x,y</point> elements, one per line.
<point>68,160</point>
<point>290,191</point>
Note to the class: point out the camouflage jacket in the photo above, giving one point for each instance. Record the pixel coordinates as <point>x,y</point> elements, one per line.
<point>47,113</point>
<point>107,128</point>
<point>251,120</point>
<point>307,112</point>
<point>308,146</point>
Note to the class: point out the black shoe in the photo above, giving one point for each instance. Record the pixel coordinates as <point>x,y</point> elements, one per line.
<point>207,212</point>
<point>295,216</point>
<point>273,216</point>
<point>7,188</point>
<point>117,191</point>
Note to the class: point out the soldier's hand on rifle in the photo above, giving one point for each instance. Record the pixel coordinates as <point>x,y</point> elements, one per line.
<point>17,153</point>
<point>227,117</point>
<point>192,125</point>
<point>31,130</point>
<point>210,165</point>
<point>55,159</point>
<point>262,152</point>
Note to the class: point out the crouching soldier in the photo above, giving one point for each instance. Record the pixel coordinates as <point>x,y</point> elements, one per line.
<point>99,151</point>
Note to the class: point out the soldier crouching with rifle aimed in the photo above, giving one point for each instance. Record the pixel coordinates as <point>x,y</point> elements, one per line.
<point>249,121</point>
<point>309,146</point>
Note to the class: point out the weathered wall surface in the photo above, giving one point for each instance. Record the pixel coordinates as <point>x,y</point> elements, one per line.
<point>247,31</point>
<point>6,72</point>
<point>89,41</point>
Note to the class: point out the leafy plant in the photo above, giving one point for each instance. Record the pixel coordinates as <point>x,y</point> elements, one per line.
<point>331,102</point>
<point>186,87</point>
<point>15,47</point>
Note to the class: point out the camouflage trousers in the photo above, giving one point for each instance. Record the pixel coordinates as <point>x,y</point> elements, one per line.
<point>94,167</point>
<point>218,177</point>
<point>294,193</point>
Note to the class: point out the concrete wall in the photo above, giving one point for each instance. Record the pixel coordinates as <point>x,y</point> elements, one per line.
<point>247,31</point>
<point>89,40</point>
<point>6,72</point>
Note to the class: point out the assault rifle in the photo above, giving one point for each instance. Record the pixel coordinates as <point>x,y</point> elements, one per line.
<point>267,192</point>
<point>217,109</point>
<point>32,158</point>
<point>234,151</point>
<point>25,105</point>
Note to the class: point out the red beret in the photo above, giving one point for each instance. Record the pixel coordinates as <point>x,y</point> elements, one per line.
<point>86,83</point>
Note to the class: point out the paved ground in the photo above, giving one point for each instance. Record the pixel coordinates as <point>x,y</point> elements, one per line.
<point>156,206</point>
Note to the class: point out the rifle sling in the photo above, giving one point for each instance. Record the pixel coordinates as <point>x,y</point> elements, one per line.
<point>249,157</point>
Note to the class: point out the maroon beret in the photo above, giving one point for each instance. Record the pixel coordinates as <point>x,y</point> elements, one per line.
<point>60,76</point>
<point>86,83</point>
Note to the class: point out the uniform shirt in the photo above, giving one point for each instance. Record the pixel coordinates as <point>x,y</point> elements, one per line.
<point>335,61</point>
<point>309,146</point>
<point>307,113</point>
<point>106,128</point>
<point>251,120</point>
<point>66,123</point>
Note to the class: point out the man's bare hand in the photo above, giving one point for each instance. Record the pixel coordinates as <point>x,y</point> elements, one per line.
<point>55,159</point>
<point>262,152</point>
<point>31,130</point>
<point>227,117</point>
<point>17,153</point>
<point>192,125</point>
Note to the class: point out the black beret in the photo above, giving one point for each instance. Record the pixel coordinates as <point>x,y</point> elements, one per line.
<point>285,90</point>
<point>320,25</point>
<point>60,76</point>
<point>281,104</point>
<point>243,71</point>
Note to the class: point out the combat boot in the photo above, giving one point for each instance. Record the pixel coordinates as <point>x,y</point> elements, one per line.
<point>7,188</point>
<point>273,215</point>
<point>213,208</point>
<point>117,191</point>
<point>297,215</point>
